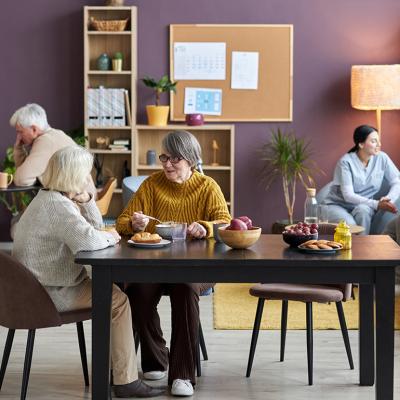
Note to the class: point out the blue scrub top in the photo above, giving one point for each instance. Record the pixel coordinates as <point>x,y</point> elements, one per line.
<point>366,180</point>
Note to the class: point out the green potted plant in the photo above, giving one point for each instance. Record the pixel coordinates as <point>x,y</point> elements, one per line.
<point>289,157</point>
<point>156,114</point>
<point>117,61</point>
<point>15,202</point>
<point>78,135</point>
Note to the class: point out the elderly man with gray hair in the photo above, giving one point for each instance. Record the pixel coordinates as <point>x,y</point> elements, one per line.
<point>36,142</point>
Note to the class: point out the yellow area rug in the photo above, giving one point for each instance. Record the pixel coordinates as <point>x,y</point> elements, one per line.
<point>235,308</point>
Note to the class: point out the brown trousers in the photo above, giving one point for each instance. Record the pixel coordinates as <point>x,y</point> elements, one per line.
<point>184,297</point>
<point>123,356</point>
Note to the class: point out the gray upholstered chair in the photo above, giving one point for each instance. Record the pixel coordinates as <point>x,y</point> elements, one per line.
<point>31,308</point>
<point>130,186</point>
<point>307,294</point>
<point>381,218</point>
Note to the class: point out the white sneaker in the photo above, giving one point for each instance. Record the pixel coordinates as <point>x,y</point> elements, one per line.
<point>154,375</point>
<point>181,387</point>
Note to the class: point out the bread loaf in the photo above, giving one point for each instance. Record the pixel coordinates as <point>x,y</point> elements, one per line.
<point>146,237</point>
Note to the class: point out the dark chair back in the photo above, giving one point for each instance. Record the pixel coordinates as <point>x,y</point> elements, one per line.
<point>24,303</point>
<point>345,288</point>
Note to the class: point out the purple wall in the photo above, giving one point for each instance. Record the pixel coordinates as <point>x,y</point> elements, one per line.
<point>42,51</point>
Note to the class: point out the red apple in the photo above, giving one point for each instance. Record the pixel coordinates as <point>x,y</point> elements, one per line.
<point>237,225</point>
<point>247,221</point>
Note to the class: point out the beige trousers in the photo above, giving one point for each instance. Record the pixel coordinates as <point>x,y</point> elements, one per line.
<point>123,355</point>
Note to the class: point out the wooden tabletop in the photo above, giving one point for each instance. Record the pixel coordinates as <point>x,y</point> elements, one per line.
<point>270,250</point>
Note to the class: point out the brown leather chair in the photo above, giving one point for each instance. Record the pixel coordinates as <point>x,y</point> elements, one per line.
<point>25,304</point>
<point>307,294</point>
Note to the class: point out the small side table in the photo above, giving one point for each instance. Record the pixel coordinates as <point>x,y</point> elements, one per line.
<point>356,229</point>
<point>9,197</point>
<point>8,194</point>
<point>12,189</point>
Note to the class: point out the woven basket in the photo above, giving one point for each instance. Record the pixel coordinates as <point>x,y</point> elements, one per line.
<point>115,25</point>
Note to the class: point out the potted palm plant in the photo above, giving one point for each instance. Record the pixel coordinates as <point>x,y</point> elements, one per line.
<point>289,157</point>
<point>156,114</point>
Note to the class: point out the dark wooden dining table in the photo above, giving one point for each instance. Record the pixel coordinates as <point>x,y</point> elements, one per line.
<point>371,263</point>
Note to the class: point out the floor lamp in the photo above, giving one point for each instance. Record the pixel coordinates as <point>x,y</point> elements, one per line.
<point>375,87</point>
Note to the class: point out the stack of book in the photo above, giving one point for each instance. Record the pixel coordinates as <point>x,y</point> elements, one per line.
<point>108,107</point>
<point>120,144</point>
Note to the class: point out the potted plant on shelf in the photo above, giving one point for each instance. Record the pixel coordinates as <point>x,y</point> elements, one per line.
<point>287,156</point>
<point>117,61</point>
<point>156,114</point>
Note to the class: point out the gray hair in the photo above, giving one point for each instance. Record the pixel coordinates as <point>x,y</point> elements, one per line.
<point>183,144</point>
<point>31,114</point>
<point>68,170</point>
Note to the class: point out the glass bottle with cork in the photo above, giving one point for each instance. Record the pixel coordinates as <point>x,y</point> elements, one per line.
<point>343,235</point>
<point>311,207</point>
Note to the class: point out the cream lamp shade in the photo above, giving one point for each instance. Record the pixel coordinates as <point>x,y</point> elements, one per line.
<point>375,87</point>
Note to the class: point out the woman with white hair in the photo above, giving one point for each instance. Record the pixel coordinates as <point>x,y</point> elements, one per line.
<point>36,142</point>
<point>62,220</point>
<point>177,193</point>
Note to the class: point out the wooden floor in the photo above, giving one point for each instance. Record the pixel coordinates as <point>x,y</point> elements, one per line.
<point>56,370</point>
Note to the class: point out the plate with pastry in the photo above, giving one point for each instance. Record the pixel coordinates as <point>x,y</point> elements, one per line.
<point>146,239</point>
<point>320,246</point>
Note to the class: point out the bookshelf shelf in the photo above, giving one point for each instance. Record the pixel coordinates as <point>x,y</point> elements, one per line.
<point>93,72</point>
<point>114,162</point>
<point>108,33</point>
<point>110,128</point>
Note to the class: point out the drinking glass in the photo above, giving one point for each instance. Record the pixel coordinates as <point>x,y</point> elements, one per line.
<point>323,214</point>
<point>215,231</point>
<point>178,231</point>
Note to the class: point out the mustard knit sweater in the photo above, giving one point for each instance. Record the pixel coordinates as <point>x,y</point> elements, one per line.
<point>198,199</point>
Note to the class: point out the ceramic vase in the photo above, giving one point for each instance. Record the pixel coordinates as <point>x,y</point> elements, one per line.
<point>104,62</point>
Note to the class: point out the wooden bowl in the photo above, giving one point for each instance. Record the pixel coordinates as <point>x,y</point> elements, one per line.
<point>239,239</point>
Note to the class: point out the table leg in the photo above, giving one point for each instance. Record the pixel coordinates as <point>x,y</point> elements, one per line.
<point>101,313</point>
<point>384,297</point>
<point>366,335</point>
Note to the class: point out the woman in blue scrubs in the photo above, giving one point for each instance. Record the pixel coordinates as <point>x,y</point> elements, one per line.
<point>358,178</point>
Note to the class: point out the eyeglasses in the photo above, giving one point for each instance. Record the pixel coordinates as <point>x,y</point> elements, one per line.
<point>164,158</point>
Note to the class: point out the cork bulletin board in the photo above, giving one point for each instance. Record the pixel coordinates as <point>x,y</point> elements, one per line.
<point>271,100</point>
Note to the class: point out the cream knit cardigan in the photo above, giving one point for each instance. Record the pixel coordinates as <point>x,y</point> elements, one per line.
<point>51,231</point>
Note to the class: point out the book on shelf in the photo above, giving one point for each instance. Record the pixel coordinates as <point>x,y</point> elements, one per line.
<point>106,107</point>
<point>128,109</point>
<point>118,147</point>
<point>124,142</point>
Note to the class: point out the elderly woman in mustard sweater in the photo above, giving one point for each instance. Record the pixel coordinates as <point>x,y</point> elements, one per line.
<point>177,193</point>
